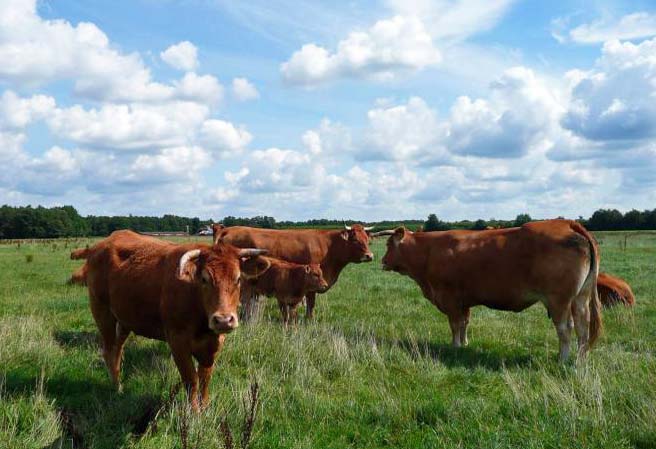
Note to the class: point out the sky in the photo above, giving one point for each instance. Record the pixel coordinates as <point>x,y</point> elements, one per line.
<point>366,110</point>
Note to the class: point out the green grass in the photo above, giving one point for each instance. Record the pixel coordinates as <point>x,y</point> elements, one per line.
<point>374,370</point>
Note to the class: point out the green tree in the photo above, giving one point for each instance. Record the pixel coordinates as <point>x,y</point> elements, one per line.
<point>434,224</point>
<point>479,225</point>
<point>522,219</point>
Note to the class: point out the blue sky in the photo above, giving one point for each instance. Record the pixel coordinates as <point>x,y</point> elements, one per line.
<point>363,109</point>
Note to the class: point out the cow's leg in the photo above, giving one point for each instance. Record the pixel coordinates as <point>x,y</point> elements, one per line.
<point>181,350</point>
<point>117,354</point>
<point>246,302</point>
<point>294,313</point>
<point>455,324</point>
<point>464,322</point>
<point>206,359</point>
<point>581,313</point>
<point>204,377</point>
<point>107,326</point>
<point>561,316</point>
<point>284,312</point>
<point>309,309</point>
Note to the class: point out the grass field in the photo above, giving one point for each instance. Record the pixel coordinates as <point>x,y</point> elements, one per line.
<point>374,369</point>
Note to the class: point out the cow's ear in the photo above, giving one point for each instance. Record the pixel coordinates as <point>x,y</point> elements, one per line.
<point>399,234</point>
<point>345,234</point>
<point>189,266</point>
<point>216,232</point>
<point>252,267</point>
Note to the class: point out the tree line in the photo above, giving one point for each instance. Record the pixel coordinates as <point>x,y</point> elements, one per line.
<point>53,222</point>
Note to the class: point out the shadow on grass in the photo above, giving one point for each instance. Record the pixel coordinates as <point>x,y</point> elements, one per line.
<point>135,357</point>
<point>467,357</point>
<point>76,339</point>
<point>92,412</point>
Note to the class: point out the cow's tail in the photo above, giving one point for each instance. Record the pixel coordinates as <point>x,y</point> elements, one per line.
<point>81,253</point>
<point>596,322</point>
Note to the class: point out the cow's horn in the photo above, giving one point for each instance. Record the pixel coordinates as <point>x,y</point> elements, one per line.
<point>368,228</point>
<point>347,227</point>
<point>381,233</point>
<point>250,252</point>
<point>186,257</point>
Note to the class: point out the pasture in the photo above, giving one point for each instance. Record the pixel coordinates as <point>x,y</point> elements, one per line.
<point>374,369</point>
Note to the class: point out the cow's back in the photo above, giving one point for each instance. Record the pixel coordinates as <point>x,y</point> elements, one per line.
<point>298,246</point>
<point>131,273</point>
<point>507,269</point>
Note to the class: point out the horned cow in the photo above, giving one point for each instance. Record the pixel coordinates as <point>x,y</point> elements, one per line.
<point>186,295</point>
<point>332,250</point>
<point>555,262</point>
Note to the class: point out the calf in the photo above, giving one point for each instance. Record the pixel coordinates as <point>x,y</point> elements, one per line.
<point>289,282</point>
<point>186,295</point>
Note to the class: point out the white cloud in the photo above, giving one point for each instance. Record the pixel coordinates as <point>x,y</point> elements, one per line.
<point>129,127</point>
<point>37,52</point>
<point>199,88</point>
<point>631,26</point>
<point>615,100</point>
<point>329,140</point>
<point>177,163</point>
<point>454,19</point>
<point>524,142</point>
<point>244,90</point>
<point>519,115</point>
<point>181,56</point>
<point>387,48</point>
<point>224,137</point>
<point>403,132</point>
<point>278,170</point>
<point>51,174</point>
<point>17,113</point>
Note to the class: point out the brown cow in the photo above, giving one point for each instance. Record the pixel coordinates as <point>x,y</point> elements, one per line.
<point>613,290</point>
<point>333,250</point>
<point>289,282</point>
<point>186,295</point>
<point>555,262</point>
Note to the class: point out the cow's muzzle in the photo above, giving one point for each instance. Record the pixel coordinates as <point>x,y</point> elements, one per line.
<point>222,323</point>
<point>368,257</point>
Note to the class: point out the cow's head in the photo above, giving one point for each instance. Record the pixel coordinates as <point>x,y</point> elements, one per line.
<point>218,271</point>
<point>313,277</point>
<point>393,259</point>
<point>357,243</point>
